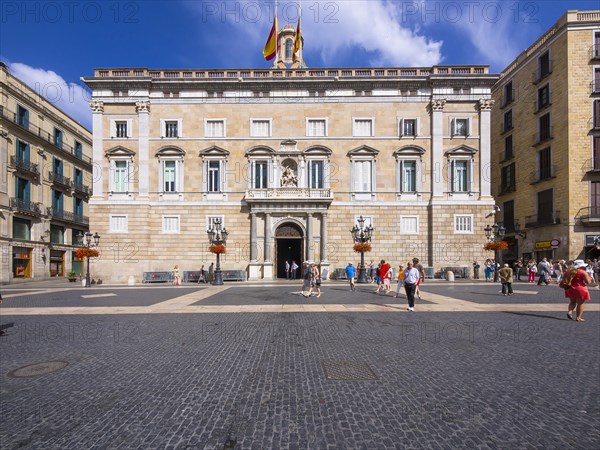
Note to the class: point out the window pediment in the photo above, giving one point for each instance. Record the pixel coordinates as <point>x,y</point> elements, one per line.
<point>317,150</point>
<point>213,151</point>
<point>409,150</point>
<point>119,151</point>
<point>170,150</point>
<point>261,151</point>
<point>363,150</point>
<point>461,150</point>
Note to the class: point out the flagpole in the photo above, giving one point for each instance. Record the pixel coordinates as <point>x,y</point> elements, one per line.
<point>276,36</point>
<point>300,47</point>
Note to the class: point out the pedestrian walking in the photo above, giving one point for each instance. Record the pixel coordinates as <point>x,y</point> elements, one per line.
<point>417,265</point>
<point>307,279</point>
<point>288,268</point>
<point>202,276</point>
<point>211,272</point>
<point>576,289</point>
<point>517,269</point>
<point>372,271</point>
<point>317,279</point>
<point>506,278</point>
<point>557,269</point>
<point>176,276</point>
<point>400,279</point>
<point>350,274</point>
<point>411,276</point>
<point>543,271</point>
<point>294,269</point>
<point>383,273</point>
<point>476,267</point>
<point>488,270</point>
<point>532,270</point>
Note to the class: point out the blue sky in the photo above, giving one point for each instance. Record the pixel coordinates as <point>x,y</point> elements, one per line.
<point>54,43</point>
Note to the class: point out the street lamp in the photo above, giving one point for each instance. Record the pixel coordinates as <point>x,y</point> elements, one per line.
<point>362,235</point>
<point>496,233</point>
<point>88,241</point>
<point>217,236</point>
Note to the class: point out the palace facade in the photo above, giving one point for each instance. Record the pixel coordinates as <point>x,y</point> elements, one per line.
<point>288,159</point>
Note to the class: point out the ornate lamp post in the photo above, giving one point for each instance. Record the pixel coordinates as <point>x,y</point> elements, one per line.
<point>88,241</point>
<point>362,235</point>
<point>496,232</point>
<point>217,237</point>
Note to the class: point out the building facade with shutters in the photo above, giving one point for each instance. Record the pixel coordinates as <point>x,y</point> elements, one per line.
<point>546,143</point>
<point>288,159</point>
<point>45,184</point>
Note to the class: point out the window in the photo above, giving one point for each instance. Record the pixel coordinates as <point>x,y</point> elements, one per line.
<point>463,223</point>
<point>22,151</point>
<point>261,128</point>
<point>363,127</point>
<point>171,128</point>
<point>22,189</point>
<point>543,99</point>
<point>596,51</point>
<point>409,224</point>
<point>78,150</point>
<point>118,223</point>
<point>289,49</point>
<point>596,153</point>
<point>22,117</point>
<point>120,179</point>
<point>508,209</point>
<point>21,228</point>
<point>315,175</point>
<point>316,127</point>
<point>210,221</point>
<point>508,147</point>
<point>595,199</point>
<point>596,114</point>
<point>544,67</point>
<point>545,207</point>
<point>545,130</point>
<point>78,206</point>
<point>363,176</point>
<point>545,164</point>
<point>57,234</point>
<point>460,176</point>
<point>170,224</point>
<point>508,183</point>
<point>78,177</point>
<point>261,174</point>
<point>509,93</point>
<point>57,166</point>
<point>169,176</point>
<point>508,121</point>
<point>460,127</point>
<point>408,176</point>
<point>408,127</point>
<point>214,128</point>
<point>57,200</point>
<point>121,129</point>
<point>214,176</point>
<point>596,81</point>
<point>58,138</point>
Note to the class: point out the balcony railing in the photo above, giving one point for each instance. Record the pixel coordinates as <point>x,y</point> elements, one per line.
<point>37,131</point>
<point>542,220</point>
<point>59,179</point>
<point>60,214</point>
<point>289,193</point>
<point>589,215</point>
<point>81,188</point>
<point>24,165</point>
<point>25,205</point>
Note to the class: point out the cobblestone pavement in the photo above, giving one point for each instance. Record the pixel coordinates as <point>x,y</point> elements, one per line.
<point>489,379</point>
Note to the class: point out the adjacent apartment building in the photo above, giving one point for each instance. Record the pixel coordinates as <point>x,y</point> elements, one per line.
<point>45,184</point>
<point>288,159</point>
<point>546,143</point>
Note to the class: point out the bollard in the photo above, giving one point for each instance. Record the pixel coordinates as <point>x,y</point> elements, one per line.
<point>450,276</point>
<point>131,280</point>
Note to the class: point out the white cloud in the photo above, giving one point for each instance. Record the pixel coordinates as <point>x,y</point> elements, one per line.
<point>70,97</point>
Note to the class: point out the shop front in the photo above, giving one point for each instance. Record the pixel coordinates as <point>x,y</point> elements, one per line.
<point>21,262</point>
<point>77,264</point>
<point>57,263</point>
<point>545,249</point>
<point>592,246</point>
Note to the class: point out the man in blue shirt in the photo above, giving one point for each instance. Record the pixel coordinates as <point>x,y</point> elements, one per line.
<point>350,274</point>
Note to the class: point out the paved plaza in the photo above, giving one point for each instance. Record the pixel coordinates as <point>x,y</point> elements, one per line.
<point>258,366</point>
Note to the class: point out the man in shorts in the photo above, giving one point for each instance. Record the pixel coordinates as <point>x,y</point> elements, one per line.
<point>350,274</point>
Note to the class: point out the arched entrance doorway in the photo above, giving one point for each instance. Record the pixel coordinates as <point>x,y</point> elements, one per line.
<point>289,247</point>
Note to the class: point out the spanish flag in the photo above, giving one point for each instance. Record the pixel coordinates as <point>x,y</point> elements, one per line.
<point>270,49</point>
<point>297,42</point>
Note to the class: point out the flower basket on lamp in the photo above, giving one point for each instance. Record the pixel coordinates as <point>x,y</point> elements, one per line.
<point>86,252</point>
<point>496,245</point>
<point>362,247</point>
<point>217,248</point>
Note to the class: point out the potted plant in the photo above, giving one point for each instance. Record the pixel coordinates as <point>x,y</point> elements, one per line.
<point>72,276</point>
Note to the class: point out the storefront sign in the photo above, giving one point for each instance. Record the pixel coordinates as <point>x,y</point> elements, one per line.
<point>592,240</point>
<point>541,245</point>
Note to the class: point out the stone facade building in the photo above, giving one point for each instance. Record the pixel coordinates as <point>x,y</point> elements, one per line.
<point>546,143</point>
<point>289,159</point>
<point>45,184</point>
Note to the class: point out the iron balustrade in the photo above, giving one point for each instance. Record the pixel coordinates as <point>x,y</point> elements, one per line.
<point>542,219</point>
<point>80,187</point>
<point>24,165</point>
<point>67,216</point>
<point>60,179</point>
<point>25,205</point>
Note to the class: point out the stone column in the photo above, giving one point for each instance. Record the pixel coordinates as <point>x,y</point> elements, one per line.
<point>485,132</point>
<point>437,147</point>
<point>254,266</point>
<point>268,264</point>
<point>324,256</point>
<point>97,148</point>
<point>309,237</point>
<point>143,110</point>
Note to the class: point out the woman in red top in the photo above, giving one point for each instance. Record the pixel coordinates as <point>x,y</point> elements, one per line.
<point>577,291</point>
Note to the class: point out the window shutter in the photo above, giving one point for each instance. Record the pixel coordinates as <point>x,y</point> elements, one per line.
<point>452,175</point>
<point>163,128</point>
<point>223,174</point>
<point>130,176</point>
<point>113,128</point>
<point>179,127</point>
<point>401,127</point>
<point>129,128</point>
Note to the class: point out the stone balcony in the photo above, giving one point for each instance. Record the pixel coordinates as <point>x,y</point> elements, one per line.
<point>289,194</point>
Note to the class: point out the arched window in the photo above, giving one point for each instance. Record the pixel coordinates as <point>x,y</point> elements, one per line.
<point>289,49</point>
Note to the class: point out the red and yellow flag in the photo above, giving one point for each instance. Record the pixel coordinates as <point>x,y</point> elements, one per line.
<point>270,49</point>
<point>297,42</point>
